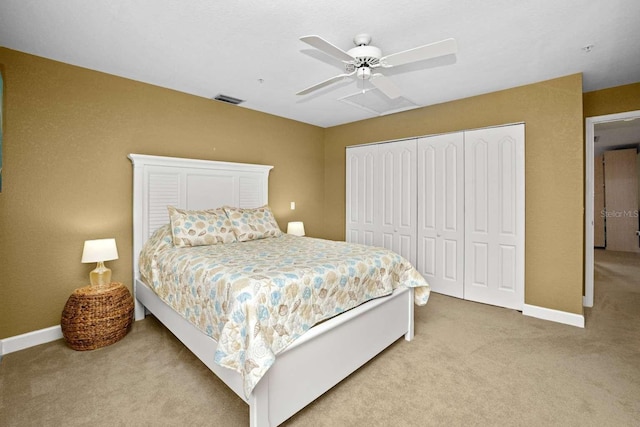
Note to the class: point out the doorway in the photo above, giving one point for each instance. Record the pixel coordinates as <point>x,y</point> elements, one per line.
<point>626,119</point>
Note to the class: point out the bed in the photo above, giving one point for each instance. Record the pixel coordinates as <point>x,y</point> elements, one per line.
<point>335,346</point>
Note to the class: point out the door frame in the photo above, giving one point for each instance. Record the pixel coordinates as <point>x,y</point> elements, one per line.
<point>590,122</point>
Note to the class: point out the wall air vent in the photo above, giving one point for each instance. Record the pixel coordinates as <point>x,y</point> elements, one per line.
<point>228,99</point>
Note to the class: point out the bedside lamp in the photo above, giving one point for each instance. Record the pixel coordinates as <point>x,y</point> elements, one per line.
<point>99,251</point>
<point>296,228</point>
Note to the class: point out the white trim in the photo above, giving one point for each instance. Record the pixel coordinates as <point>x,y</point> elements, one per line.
<point>565,317</point>
<point>590,123</point>
<point>30,339</point>
<point>433,134</point>
<point>587,299</point>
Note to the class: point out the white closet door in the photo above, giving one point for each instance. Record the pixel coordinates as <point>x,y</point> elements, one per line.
<point>361,197</point>
<point>494,219</point>
<point>441,212</point>
<point>397,191</point>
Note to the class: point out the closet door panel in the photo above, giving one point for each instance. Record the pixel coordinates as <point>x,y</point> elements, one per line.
<point>427,258</point>
<point>507,215</point>
<point>451,261</point>
<point>441,212</point>
<point>361,195</point>
<point>506,186</point>
<point>452,171</point>
<point>477,173</point>
<point>426,263</point>
<point>508,280</point>
<point>407,191</point>
<point>397,186</point>
<point>494,219</point>
<point>388,241</point>
<point>479,263</point>
<point>369,238</point>
<point>407,246</point>
<point>388,184</point>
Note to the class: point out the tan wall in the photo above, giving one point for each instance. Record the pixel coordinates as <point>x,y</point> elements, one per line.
<point>614,100</point>
<point>554,147</point>
<point>67,178</point>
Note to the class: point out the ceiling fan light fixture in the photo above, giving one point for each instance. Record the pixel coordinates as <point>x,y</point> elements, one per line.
<point>364,73</point>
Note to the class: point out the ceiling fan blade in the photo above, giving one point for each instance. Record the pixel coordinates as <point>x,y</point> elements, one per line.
<point>385,85</point>
<point>420,53</point>
<point>326,47</point>
<point>324,83</point>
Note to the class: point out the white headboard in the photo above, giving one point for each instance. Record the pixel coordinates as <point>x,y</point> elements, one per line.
<point>189,184</point>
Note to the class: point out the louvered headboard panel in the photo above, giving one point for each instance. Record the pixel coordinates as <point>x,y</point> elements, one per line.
<point>189,184</point>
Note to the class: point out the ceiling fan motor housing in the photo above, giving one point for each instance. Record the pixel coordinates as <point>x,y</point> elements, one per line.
<point>364,56</point>
<point>362,39</point>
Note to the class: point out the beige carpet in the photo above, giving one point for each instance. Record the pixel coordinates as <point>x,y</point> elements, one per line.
<point>470,364</point>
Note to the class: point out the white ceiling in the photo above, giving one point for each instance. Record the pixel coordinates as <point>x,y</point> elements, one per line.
<point>250,49</point>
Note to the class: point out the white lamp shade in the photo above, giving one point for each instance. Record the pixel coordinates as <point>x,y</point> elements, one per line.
<point>296,228</point>
<point>99,250</point>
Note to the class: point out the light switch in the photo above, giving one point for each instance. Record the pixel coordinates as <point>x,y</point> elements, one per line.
<point>293,206</point>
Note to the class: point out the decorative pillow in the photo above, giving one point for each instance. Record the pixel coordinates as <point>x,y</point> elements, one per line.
<point>252,224</point>
<point>200,228</point>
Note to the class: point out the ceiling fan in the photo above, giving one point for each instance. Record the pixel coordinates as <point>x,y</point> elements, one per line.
<point>362,60</point>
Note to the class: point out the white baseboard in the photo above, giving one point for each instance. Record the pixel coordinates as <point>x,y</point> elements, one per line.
<point>554,315</point>
<point>30,339</point>
<point>42,336</point>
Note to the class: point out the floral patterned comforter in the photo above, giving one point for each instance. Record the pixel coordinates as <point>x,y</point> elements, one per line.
<point>257,297</point>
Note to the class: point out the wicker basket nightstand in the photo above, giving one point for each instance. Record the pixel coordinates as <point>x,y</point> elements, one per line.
<point>97,316</point>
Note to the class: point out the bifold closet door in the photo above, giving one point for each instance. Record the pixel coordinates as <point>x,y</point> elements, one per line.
<point>494,216</point>
<point>396,174</point>
<point>441,212</point>
<point>361,194</point>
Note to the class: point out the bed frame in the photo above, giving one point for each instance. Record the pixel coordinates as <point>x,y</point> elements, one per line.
<point>334,348</point>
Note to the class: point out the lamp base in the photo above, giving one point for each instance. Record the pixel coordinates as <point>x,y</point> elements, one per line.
<point>101,275</point>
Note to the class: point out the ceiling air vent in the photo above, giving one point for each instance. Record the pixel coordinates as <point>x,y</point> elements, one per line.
<point>228,99</point>
<point>374,101</point>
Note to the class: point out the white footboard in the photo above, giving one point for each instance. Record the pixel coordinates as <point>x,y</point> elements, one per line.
<point>317,361</point>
